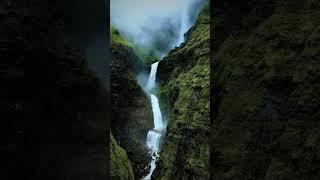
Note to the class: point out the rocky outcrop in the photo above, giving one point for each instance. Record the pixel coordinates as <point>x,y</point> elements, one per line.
<point>131,108</point>
<point>266,90</point>
<point>53,108</point>
<point>184,78</point>
<point>120,165</point>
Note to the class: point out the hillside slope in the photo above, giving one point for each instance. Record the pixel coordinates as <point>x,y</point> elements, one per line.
<point>266,90</point>
<point>184,77</point>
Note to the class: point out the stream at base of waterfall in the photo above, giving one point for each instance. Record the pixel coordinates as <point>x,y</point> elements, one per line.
<point>154,135</point>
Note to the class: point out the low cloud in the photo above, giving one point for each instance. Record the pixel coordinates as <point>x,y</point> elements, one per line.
<point>155,25</point>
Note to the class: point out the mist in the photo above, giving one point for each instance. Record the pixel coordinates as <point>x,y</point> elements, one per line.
<point>157,26</point>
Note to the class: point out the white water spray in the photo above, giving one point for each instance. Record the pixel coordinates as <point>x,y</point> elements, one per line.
<point>152,77</point>
<point>154,135</point>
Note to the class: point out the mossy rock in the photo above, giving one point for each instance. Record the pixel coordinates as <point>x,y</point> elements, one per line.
<point>184,78</point>
<point>120,165</point>
<point>265,94</point>
<point>116,37</point>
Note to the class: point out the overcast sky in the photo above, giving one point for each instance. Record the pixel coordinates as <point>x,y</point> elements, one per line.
<point>156,24</point>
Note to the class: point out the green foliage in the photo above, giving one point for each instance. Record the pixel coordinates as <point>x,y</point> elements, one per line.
<point>120,166</point>
<point>187,93</point>
<point>150,58</point>
<point>117,38</point>
<point>267,108</point>
<point>146,54</point>
<point>142,52</point>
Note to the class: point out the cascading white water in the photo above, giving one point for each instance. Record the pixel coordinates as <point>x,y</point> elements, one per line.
<point>154,135</point>
<point>153,140</point>
<point>157,117</point>
<point>152,77</point>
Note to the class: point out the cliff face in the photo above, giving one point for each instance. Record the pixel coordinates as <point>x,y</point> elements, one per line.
<point>266,91</point>
<point>120,165</point>
<point>53,109</point>
<point>131,109</point>
<point>184,77</point>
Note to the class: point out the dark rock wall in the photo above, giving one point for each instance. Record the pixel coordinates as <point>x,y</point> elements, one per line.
<point>265,90</point>
<point>53,108</point>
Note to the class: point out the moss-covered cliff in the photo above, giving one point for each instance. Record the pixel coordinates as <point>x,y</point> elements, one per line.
<point>120,165</point>
<point>184,77</point>
<point>125,51</point>
<point>131,109</point>
<point>266,90</point>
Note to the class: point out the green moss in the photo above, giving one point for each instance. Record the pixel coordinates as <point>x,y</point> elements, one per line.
<point>143,52</point>
<point>185,99</point>
<point>267,99</point>
<point>120,166</point>
<point>117,38</point>
<point>146,54</point>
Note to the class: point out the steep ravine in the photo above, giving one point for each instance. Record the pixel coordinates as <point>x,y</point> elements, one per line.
<point>266,90</point>
<point>184,82</point>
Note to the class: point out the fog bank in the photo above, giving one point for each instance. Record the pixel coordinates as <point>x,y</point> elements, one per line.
<point>154,25</point>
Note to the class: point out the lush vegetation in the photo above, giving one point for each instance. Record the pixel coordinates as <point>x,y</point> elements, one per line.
<point>266,91</point>
<point>184,90</point>
<point>116,37</point>
<point>146,54</point>
<point>120,166</point>
<point>143,52</point>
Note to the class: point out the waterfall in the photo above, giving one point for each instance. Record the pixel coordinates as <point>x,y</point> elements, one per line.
<point>153,140</point>
<point>184,25</point>
<point>154,135</point>
<point>152,77</point>
<point>157,117</point>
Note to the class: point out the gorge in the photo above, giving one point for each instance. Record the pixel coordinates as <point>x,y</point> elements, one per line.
<point>155,140</point>
<point>263,81</point>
